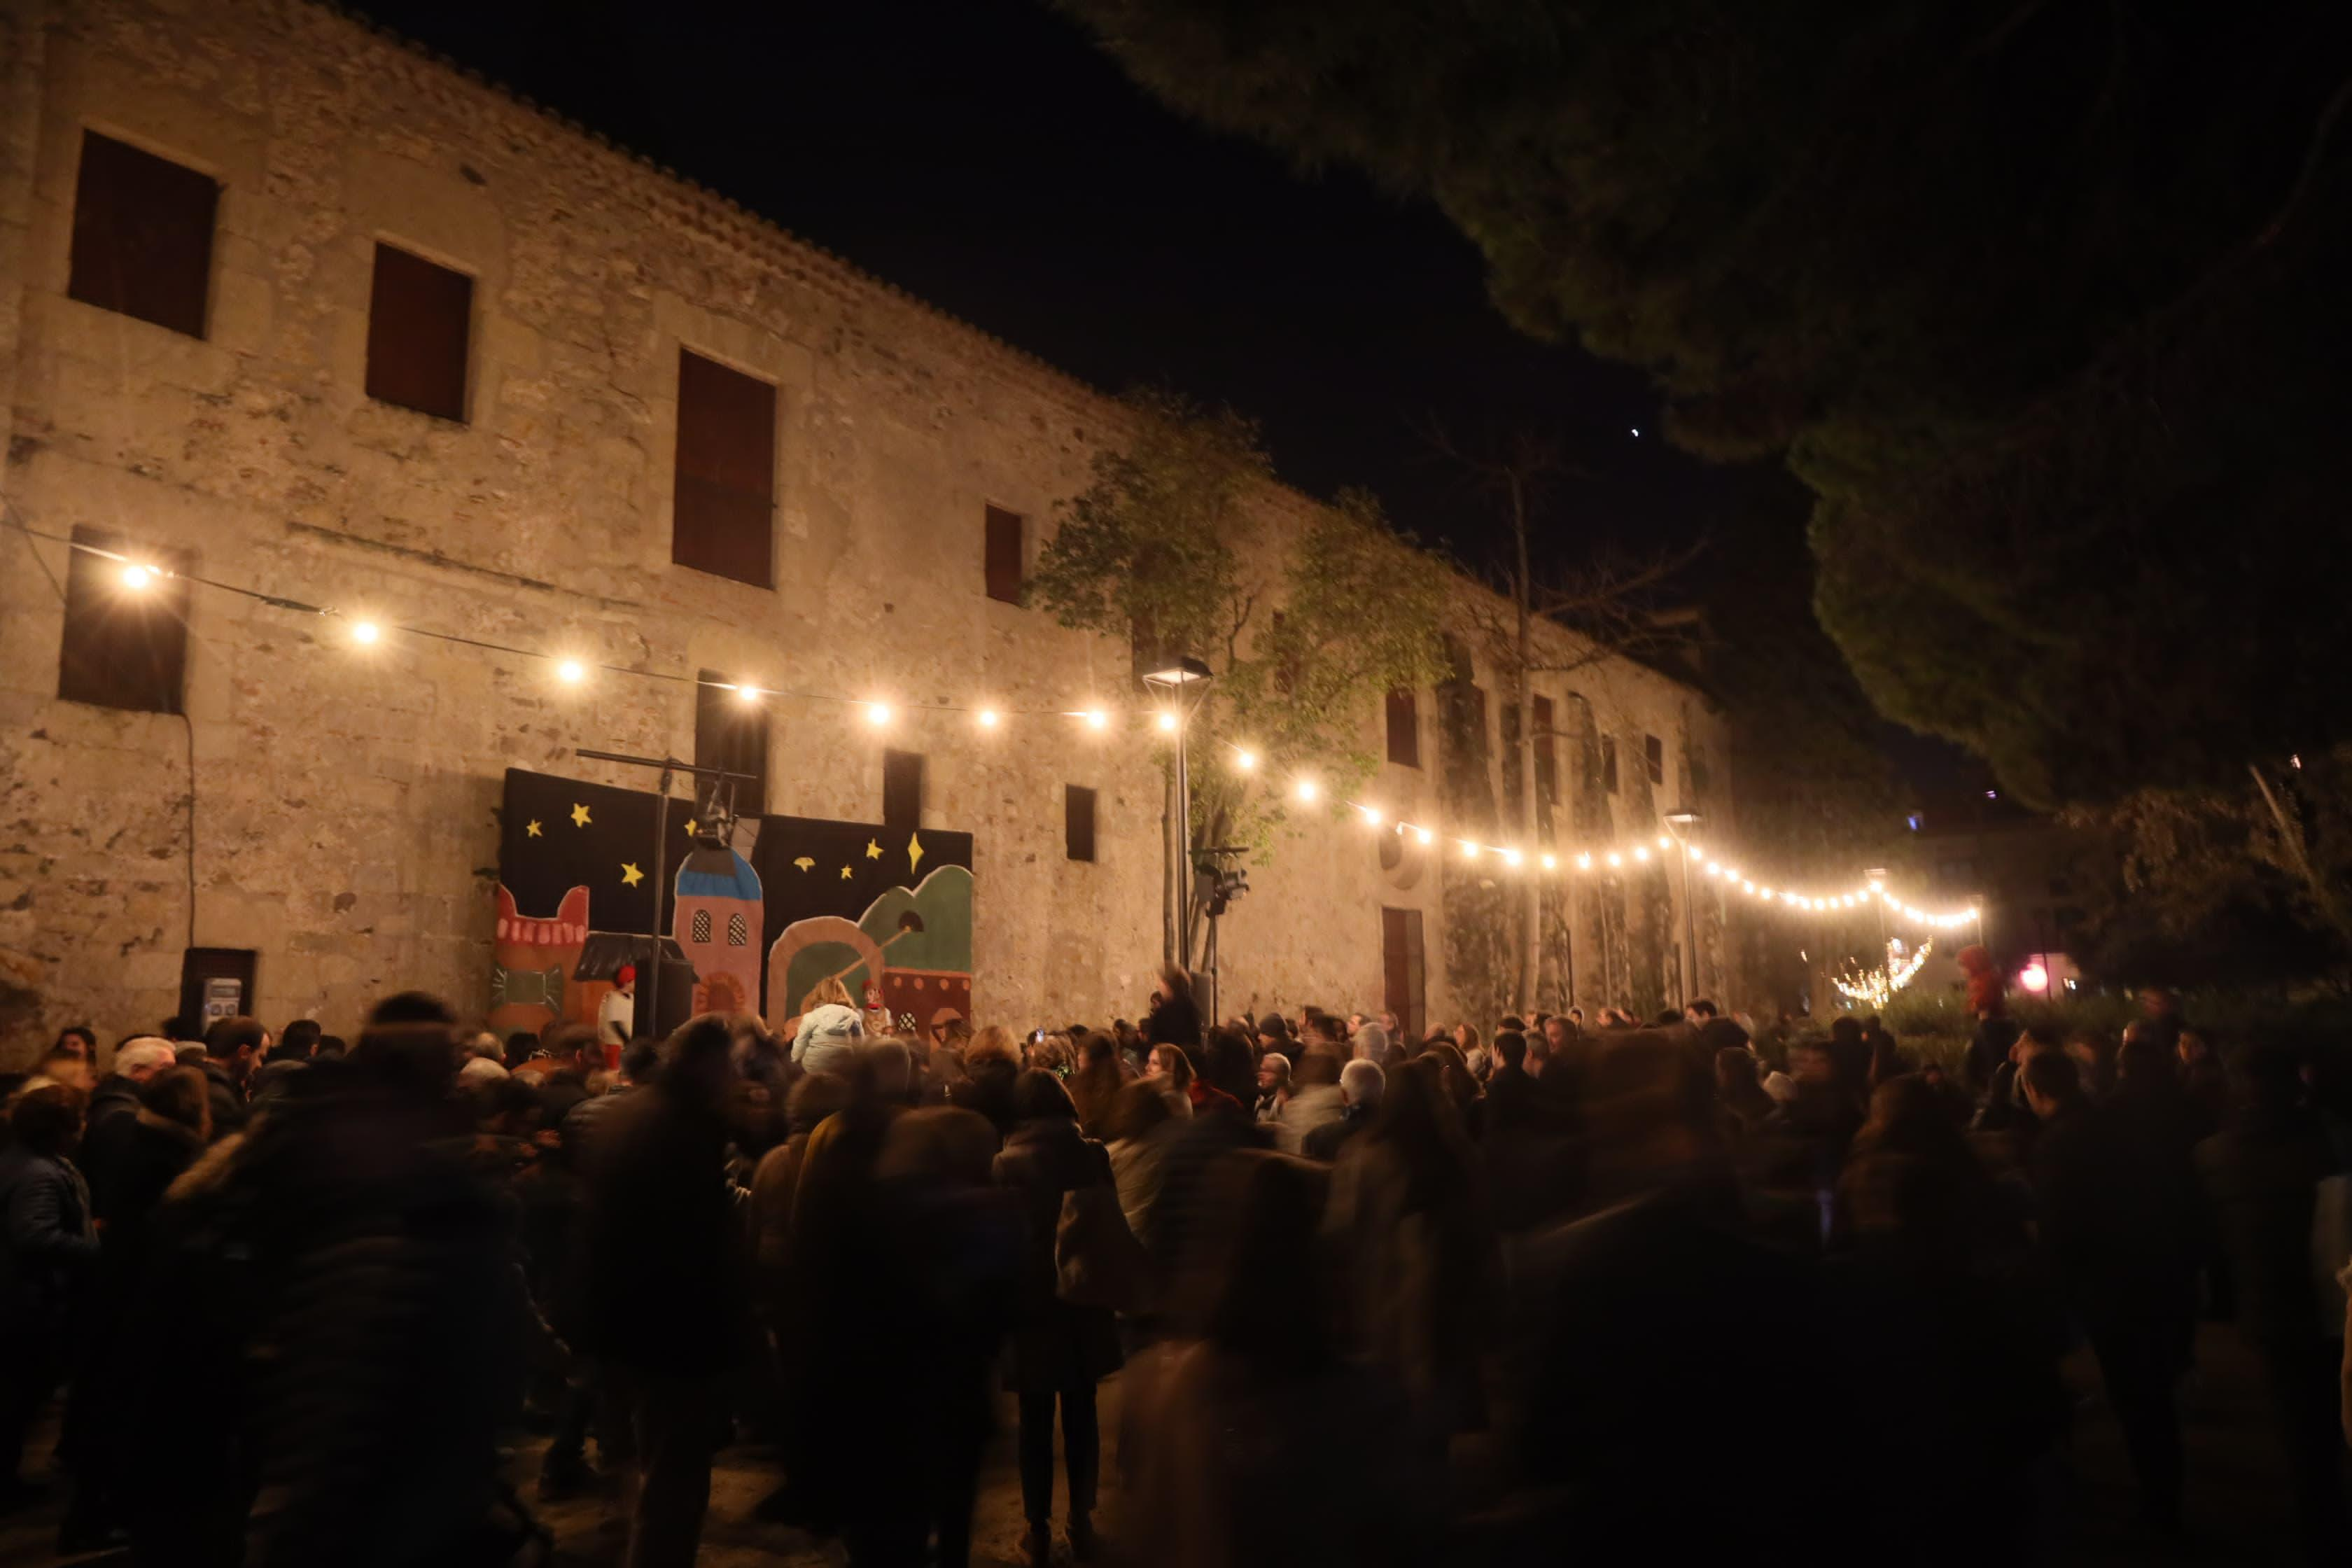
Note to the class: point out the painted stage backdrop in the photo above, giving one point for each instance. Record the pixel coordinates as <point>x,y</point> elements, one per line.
<point>754,926</point>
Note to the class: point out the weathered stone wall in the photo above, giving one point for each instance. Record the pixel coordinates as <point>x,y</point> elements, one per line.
<point>344,799</point>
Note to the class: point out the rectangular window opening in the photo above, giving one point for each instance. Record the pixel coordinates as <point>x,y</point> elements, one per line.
<point>724,505</point>
<point>142,235</point>
<point>1079,821</point>
<point>1404,728</point>
<point>1653,758</point>
<point>1609,764</point>
<point>1002,562</point>
<point>124,647</point>
<point>902,789</point>
<point>419,317</point>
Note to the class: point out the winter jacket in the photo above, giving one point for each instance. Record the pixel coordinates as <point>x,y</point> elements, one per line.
<point>50,1242</point>
<point>1040,1163</point>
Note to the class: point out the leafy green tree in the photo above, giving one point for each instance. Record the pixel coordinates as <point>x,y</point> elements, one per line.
<point>2042,301</point>
<point>1303,628</point>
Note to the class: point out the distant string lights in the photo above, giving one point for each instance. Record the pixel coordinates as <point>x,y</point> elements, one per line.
<point>139,576</point>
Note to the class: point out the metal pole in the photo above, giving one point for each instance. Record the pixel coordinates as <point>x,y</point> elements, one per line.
<point>1184,844</point>
<point>1690,932</point>
<point>661,879</point>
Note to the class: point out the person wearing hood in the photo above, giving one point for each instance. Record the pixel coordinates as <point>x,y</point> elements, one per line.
<point>828,1038</point>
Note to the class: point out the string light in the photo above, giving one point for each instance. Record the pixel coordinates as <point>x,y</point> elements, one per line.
<point>1878,985</point>
<point>137,575</point>
<point>1469,849</point>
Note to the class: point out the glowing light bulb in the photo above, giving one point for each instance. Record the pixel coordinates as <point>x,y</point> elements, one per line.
<point>1424,836</point>
<point>1584,861</point>
<point>1549,862</point>
<point>1615,859</point>
<point>1664,842</point>
<point>1245,760</point>
<point>365,632</point>
<point>135,576</point>
<point>1372,814</point>
<point>1097,719</point>
<point>1469,849</point>
<point>877,713</point>
<point>1167,723</point>
<point>571,672</point>
<point>1763,892</point>
<point>1746,887</point>
<point>990,717</point>
<point>1511,857</point>
<point>747,694</point>
<point>1641,852</point>
<point>1305,789</point>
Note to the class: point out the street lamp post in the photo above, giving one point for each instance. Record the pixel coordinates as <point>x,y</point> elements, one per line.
<point>1185,682</point>
<point>1682,825</point>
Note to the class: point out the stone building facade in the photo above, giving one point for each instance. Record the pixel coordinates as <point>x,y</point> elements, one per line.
<point>333,807</point>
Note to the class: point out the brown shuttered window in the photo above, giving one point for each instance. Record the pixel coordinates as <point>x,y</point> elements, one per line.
<point>732,733</point>
<point>1404,728</point>
<point>724,511</point>
<point>142,235</point>
<point>1609,764</point>
<point>1653,758</point>
<point>902,789</point>
<point>1004,555</point>
<point>1078,821</point>
<point>419,317</point>
<point>124,647</point>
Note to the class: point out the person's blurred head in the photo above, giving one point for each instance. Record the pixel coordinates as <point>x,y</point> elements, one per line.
<point>1040,1097</point>
<point>2035,1040</point>
<point>697,1061</point>
<point>521,1044</point>
<point>1273,1032</point>
<point>1846,1031</point>
<point>505,1106</point>
<point>2192,1048</point>
<point>1700,1011</point>
<point>1735,1073</point>
<point>1050,1053</point>
<point>1230,1064</point>
<point>814,1096</point>
<point>640,1060</point>
<point>179,1029</point>
<point>1360,1082</point>
<point>1140,1107</point>
<point>1466,1037</point>
<point>78,1038</point>
<point>1174,982</point>
<point>937,1143</point>
<point>1098,1052</point>
<point>1556,1033</point>
<point>47,1119</point>
<point>1169,1062</point>
<point>992,1048</point>
<point>2160,1002</point>
<point>331,1048</point>
<point>624,980</point>
<point>893,1067</point>
<point>410,1041</point>
<point>1810,1062</point>
<point>299,1039</point>
<point>2143,1067</point>
<point>2052,1083</point>
<point>236,1042</point>
<point>141,1058</point>
<point>1318,1067</point>
<point>182,1097</point>
<point>66,1066</point>
<point>1273,1073</point>
<point>1371,1042</point>
<point>1512,1047</point>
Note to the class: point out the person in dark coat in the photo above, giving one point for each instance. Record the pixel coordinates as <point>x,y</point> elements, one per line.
<point>661,1258</point>
<point>990,1063</point>
<point>48,1251</point>
<point>1059,1351</point>
<point>2261,1174</point>
<point>232,1048</point>
<point>1175,1017</point>
<point>131,1162</point>
<point>576,1054</point>
<point>2120,1278</point>
<point>1513,1103</point>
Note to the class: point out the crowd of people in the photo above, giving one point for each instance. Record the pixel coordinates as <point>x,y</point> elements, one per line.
<point>1480,1296</point>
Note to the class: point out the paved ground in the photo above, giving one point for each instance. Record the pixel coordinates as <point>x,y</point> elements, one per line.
<point>2237,1506</point>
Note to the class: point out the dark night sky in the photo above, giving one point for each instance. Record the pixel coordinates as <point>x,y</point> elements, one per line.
<point>981,154</point>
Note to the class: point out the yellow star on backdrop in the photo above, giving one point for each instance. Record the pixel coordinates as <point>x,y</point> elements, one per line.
<point>873,850</point>
<point>630,874</point>
<point>844,873</point>
<point>531,830</point>
<point>805,863</point>
<point>914,852</point>
<point>579,816</point>
<point>689,827</point>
